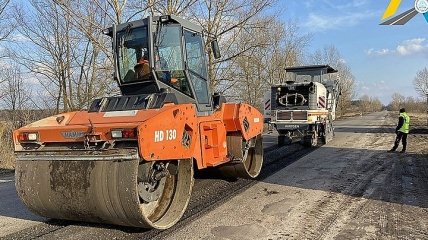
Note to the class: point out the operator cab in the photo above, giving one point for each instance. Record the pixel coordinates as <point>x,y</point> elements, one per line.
<point>162,54</point>
<point>314,73</point>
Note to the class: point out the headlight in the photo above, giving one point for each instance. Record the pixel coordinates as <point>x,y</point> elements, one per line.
<point>124,133</point>
<point>28,137</point>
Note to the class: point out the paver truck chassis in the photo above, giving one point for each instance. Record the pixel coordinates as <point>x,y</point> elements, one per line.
<point>304,106</point>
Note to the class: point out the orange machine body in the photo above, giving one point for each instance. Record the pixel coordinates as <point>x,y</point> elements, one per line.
<point>169,133</point>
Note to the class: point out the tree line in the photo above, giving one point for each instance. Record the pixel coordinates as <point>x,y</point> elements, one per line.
<point>411,104</point>
<point>419,103</point>
<point>58,46</point>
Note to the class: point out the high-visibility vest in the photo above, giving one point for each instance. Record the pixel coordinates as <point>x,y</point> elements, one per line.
<point>405,127</point>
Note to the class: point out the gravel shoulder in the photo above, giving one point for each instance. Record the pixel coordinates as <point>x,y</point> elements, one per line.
<point>14,216</point>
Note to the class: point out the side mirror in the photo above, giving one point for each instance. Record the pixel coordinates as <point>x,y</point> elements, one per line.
<point>215,49</point>
<point>218,100</point>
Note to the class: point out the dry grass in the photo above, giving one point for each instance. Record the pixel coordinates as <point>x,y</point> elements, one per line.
<point>418,122</point>
<point>418,137</point>
<point>7,160</point>
<point>418,119</point>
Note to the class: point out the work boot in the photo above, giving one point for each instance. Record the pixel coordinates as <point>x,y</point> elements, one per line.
<point>403,151</point>
<point>392,150</point>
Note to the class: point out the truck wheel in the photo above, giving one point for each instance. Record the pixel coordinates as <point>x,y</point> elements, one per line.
<point>328,134</point>
<point>310,140</point>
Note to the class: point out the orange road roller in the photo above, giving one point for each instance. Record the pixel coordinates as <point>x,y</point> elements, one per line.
<point>129,159</point>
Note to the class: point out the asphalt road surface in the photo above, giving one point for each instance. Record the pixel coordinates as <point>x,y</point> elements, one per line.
<point>350,188</point>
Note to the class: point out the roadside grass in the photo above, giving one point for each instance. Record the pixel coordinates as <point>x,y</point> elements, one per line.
<point>418,138</point>
<point>348,115</point>
<point>417,120</point>
<point>7,159</point>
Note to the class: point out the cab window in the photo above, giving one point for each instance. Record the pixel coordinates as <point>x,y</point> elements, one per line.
<point>132,54</point>
<point>169,64</point>
<point>197,65</point>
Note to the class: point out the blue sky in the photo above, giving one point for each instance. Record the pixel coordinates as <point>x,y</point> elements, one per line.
<point>383,59</point>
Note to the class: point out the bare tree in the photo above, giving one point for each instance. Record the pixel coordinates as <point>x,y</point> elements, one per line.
<point>6,27</point>
<point>330,55</point>
<point>369,104</point>
<point>421,82</point>
<point>16,97</point>
<point>16,104</point>
<point>15,91</point>
<point>73,60</point>
<point>364,104</point>
<point>376,104</point>
<point>227,20</point>
<point>286,49</point>
<point>67,64</point>
<point>253,72</point>
<point>164,7</point>
<point>411,104</point>
<point>92,17</point>
<point>397,102</point>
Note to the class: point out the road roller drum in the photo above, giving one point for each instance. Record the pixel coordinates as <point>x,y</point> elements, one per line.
<point>96,190</point>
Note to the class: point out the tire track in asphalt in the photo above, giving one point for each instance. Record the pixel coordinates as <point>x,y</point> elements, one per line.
<point>328,213</point>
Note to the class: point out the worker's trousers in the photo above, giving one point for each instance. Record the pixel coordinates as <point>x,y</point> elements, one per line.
<point>400,137</point>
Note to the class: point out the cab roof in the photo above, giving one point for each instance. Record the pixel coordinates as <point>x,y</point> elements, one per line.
<point>165,18</point>
<point>311,67</point>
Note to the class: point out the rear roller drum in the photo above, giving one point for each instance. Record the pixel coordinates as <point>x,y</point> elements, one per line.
<point>247,157</point>
<point>165,192</point>
<point>129,193</point>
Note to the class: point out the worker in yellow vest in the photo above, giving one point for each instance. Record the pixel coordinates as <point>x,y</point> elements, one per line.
<point>402,130</point>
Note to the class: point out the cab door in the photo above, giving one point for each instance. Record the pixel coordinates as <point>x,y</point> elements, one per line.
<point>196,69</point>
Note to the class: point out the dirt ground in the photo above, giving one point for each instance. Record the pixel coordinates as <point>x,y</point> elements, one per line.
<point>350,188</point>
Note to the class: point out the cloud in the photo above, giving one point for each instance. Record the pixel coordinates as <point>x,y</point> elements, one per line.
<point>325,15</point>
<point>381,52</point>
<point>317,22</point>
<point>335,4</point>
<point>412,47</point>
<point>374,87</point>
<point>19,38</point>
<point>347,5</point>
<point>377,89</point>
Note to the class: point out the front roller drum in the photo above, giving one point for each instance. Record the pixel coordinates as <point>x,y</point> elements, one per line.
<point>247,157</point>
<point>105,191</point>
